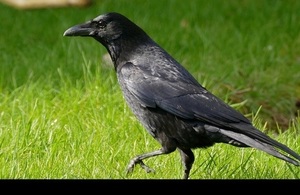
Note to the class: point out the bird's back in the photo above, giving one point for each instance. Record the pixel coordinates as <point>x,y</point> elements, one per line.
<point>158,72</point>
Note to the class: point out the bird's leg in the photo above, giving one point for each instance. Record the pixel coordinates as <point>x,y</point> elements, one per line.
<point>139,160</point>
<point>187,158</point>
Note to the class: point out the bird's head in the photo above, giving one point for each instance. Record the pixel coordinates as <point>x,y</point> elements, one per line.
<point>114,31</point>
<point>107,28</point>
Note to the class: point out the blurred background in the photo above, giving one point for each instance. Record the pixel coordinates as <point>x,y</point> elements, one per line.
<point>246,52</point>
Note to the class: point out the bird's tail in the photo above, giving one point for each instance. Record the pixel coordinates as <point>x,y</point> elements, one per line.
<point>262,142</point>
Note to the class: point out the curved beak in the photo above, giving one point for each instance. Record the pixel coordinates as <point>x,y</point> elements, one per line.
<point>85,29</point>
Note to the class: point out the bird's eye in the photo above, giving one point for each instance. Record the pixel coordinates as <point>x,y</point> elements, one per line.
<point>101,24</point>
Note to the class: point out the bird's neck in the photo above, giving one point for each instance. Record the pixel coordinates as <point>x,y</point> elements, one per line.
<point>122,50</point>
<point>114,52</point>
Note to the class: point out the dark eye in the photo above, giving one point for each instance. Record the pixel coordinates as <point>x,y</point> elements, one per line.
<point>101,24</point>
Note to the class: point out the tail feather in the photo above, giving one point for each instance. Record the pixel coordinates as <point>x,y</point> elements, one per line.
<point>268,147</point>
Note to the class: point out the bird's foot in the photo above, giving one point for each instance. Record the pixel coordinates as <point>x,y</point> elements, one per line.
<point>135,161</point>
<point>146,168</point>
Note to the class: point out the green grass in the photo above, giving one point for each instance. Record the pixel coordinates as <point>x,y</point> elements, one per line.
<point>62,114</point>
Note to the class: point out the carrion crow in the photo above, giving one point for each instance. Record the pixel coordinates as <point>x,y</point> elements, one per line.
<point>170,103</point>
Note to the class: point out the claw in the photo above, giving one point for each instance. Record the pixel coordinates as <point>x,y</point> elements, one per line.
<point>146,168</point>
<point>135,161</point>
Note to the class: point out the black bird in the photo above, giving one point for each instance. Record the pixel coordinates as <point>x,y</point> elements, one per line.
<point>173,107</point>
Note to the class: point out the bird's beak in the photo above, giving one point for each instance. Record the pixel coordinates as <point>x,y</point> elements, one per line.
<point>85,29</point>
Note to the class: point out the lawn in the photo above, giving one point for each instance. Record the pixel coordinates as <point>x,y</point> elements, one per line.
<point>62,114</point>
